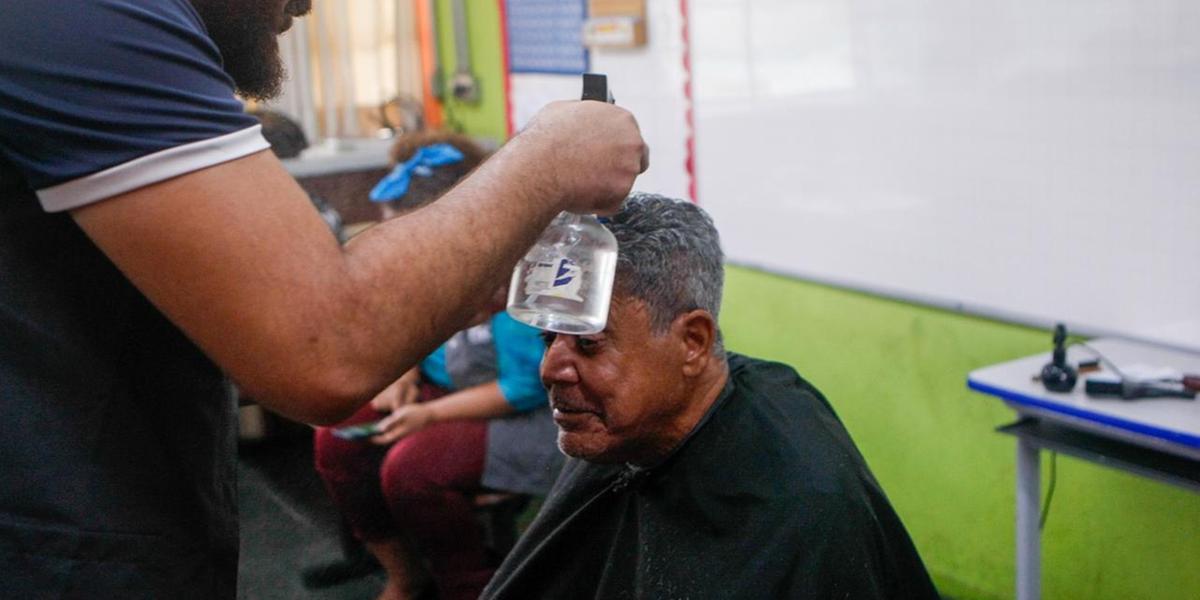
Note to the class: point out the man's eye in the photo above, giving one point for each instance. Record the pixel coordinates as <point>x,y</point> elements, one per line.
<point>548,337</point>
<point>587,345</point>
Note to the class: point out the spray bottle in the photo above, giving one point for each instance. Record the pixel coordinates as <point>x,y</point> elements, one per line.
<point>564,283</point>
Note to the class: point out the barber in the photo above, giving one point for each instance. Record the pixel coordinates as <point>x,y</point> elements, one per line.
<point>150,241</point>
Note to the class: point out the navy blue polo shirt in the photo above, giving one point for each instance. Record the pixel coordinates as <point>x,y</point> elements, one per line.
<point>117,437</point>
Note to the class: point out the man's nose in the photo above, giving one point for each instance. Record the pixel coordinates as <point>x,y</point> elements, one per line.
<point>558,364</point>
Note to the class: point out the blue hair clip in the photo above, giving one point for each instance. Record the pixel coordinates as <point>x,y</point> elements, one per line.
<point>395,184</point>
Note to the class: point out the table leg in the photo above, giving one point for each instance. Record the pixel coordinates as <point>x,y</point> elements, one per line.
<point>1029,550</point>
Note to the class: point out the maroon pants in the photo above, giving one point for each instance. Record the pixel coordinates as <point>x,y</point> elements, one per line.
<point>422,485</point>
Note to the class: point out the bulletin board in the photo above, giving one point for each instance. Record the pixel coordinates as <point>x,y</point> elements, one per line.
<point>1027,160</point>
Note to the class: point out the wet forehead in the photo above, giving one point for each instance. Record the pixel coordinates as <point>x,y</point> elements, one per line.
<point>628,317</point>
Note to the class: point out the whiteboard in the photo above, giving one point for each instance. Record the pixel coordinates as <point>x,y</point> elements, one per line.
<point>1031,160</point>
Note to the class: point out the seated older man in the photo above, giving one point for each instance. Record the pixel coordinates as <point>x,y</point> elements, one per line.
<point>697,473</point>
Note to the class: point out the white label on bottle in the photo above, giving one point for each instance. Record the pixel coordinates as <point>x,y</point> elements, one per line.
<point>561,278</point>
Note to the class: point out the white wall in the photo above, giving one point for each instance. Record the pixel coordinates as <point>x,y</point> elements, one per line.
<point>1036,160</point>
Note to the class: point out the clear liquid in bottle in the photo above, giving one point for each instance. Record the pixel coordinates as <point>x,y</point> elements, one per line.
<point>564,283</point>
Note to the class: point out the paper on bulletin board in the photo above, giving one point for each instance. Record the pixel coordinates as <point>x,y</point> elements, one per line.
<point>546,36</point>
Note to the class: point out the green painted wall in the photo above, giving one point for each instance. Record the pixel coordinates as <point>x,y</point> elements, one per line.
<point>486,118</point>
<point>896,375</point>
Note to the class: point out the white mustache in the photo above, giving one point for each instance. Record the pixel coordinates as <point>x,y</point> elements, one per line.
<point>558,402</point>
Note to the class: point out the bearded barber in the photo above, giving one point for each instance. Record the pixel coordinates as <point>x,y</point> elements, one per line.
<point>150,241</point>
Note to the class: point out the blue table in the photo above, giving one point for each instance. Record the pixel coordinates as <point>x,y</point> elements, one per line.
<point>1159,439</point>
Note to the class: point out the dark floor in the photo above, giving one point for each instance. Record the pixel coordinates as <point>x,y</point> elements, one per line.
<point>288,523</point>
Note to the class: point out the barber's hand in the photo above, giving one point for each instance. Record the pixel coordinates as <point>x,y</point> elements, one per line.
<point>590,151</point>
<point>405,421</point>
<point>402,392</point>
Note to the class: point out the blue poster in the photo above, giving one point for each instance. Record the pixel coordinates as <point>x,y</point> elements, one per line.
<point>546,36</point>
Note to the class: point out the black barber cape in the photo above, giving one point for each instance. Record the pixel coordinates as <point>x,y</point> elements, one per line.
<point>769,498</point>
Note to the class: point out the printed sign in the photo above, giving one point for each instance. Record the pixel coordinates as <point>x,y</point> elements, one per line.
<point>546,36</point>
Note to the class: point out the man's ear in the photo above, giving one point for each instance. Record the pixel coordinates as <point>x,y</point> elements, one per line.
<point>697,332</point>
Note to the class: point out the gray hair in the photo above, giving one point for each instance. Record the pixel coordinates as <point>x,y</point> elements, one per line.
<point>669,256</point>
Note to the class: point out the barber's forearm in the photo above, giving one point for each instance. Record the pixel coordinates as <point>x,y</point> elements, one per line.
<point>415,280</point>
<point>407,285</point>
<point>440,263</point>
<point>236,257</point>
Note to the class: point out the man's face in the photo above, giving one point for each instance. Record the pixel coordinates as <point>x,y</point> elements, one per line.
<point>245,32</point>
<point>618,396</point>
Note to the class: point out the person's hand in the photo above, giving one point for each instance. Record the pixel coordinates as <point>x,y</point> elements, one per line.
<point>591,152</point>
<point>402,392</point>
<point>404,421</point>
